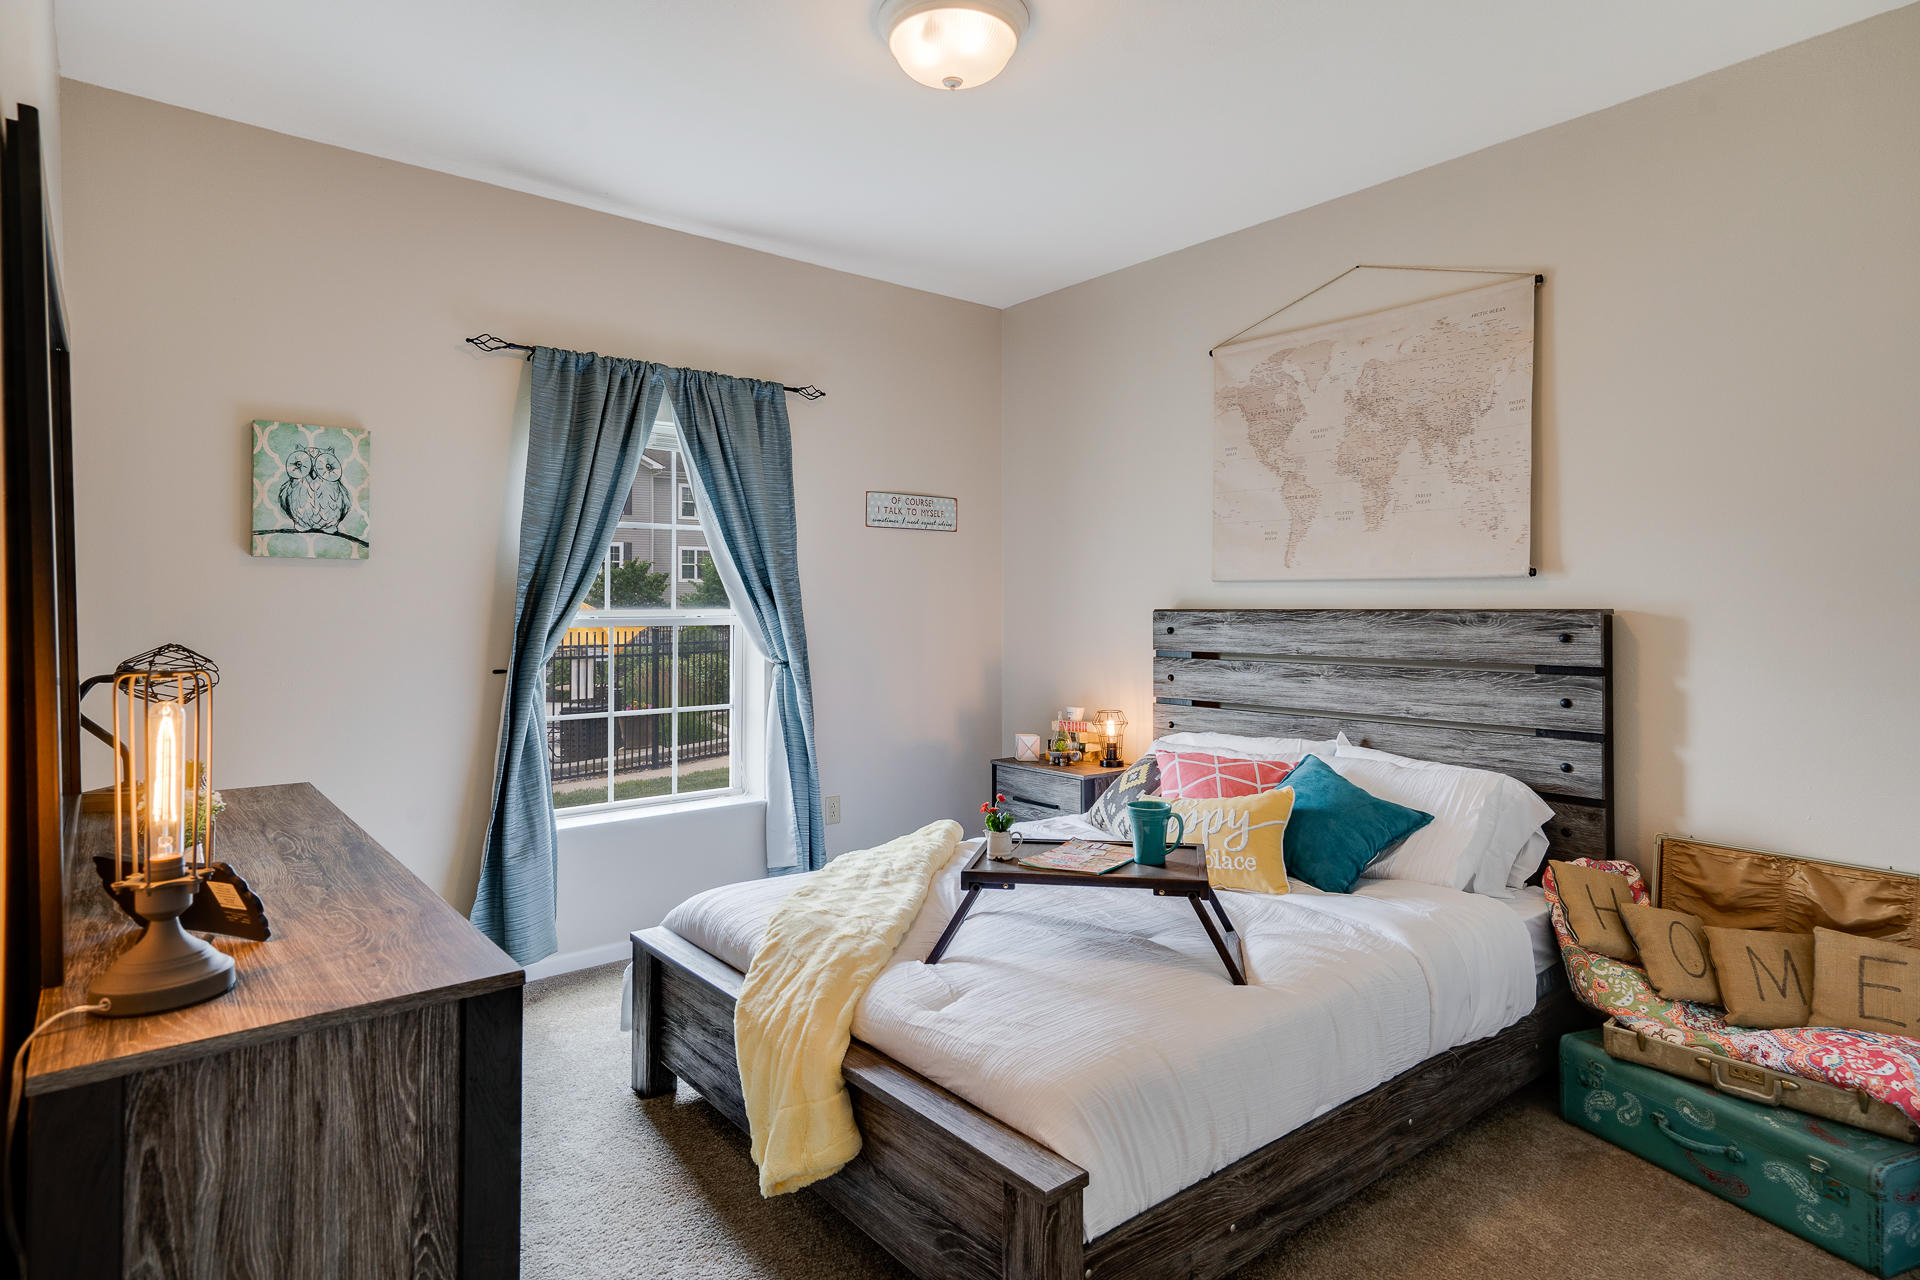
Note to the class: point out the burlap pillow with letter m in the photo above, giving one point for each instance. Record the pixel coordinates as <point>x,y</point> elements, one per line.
<point>1766,977</point>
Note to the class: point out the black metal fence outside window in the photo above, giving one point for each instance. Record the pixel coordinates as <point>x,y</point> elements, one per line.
<point>642,679</point>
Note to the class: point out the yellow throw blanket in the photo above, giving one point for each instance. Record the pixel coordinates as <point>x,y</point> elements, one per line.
<point>823,948</point>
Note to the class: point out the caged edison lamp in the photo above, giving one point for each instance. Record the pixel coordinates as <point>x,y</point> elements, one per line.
<point>163,829</point>
<point>1110,724</point>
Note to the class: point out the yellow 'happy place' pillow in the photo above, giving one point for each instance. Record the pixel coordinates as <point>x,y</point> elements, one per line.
<point>1243,838</point>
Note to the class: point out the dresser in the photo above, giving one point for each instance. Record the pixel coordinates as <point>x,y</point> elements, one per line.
<point>1037,790</point>
<point>350,1108</point>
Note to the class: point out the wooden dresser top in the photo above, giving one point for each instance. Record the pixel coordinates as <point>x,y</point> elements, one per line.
<point>355,934</point>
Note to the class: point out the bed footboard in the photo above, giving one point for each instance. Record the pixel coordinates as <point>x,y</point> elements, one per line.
<point>1223,1222</point>
<point>942,1186</point>
<point>950,1191</point>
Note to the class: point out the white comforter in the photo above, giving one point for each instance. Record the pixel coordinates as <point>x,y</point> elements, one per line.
<point>1100,1022</point>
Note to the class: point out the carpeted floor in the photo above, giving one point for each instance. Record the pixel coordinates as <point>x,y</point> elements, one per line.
<point>617,1187</point>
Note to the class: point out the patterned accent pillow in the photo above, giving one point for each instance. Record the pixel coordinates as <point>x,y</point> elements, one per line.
<point>1196,775</point>
<point>1109,812</point>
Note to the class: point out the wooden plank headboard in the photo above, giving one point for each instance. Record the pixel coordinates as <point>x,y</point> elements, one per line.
<point>1527,692</point>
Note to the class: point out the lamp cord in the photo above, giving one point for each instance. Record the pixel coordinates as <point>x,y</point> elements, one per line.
<point>14,1094</point>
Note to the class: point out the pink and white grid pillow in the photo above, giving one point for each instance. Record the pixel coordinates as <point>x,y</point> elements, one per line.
<point>1196,775</point>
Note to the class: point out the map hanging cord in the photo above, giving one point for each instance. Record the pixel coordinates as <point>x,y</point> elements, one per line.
<point>1370,266</point>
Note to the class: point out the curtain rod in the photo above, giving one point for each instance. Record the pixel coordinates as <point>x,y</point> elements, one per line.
<point>487,342</point>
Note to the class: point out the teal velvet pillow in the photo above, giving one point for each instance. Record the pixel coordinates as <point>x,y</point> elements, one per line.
<point>1338,828</point>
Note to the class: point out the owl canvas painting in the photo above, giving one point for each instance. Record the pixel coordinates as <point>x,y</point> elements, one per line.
<point>311,491</point>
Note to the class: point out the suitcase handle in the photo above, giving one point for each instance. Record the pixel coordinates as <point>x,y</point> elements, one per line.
<point>1732,1153</point>
<point>1770,1097</point>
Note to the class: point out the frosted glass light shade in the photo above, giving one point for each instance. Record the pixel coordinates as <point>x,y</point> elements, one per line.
<point>952,44</point>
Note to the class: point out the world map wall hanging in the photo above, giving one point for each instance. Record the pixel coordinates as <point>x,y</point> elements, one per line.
<point>1392,445</point>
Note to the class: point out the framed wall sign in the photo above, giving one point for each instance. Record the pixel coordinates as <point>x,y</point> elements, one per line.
<point>912,511</point>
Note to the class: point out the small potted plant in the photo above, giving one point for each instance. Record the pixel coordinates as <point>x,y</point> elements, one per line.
<point>1000,841</point>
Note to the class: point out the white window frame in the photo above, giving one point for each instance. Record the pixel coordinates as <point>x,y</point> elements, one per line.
<point>616,556</point>
<point>612,619</point>
<point>688,511</point>
<point>694,564</point>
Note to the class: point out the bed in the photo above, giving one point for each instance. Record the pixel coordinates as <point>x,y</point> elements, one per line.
<point>1277,1136</point>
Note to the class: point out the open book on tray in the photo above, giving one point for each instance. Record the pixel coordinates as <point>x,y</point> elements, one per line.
<point>1094,857</point>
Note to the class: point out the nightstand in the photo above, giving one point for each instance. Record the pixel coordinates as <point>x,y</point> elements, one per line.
<point>1035,789</point>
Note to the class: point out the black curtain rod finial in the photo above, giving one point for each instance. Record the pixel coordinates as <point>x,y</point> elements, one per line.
<point>488,342</point>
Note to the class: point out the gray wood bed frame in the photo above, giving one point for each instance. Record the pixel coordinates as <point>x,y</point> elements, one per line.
<point>951,1192</point>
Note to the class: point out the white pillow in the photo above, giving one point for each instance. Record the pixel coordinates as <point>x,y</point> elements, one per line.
<point>1482,828</point>
<point>1241,747</point>
<point>1532,853</point>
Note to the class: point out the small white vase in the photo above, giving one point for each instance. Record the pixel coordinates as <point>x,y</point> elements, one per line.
<point>1001,844</point>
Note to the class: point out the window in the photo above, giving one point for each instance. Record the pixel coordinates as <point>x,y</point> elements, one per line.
<point>644,692</point>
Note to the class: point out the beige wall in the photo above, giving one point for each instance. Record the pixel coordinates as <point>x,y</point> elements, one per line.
<point>1728,446</point>
<point>218,273</point>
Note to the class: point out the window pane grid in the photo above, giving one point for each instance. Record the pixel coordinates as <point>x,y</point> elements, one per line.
<point>633,656</point>
<point>636,765</point>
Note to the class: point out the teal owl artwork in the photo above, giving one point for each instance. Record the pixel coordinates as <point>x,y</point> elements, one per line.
<point>311,491</point>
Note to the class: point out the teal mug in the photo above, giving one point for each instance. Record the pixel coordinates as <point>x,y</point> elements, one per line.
<point>1150,843</point>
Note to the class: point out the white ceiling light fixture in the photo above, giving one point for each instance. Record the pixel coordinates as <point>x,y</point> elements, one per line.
<point>952,44</point>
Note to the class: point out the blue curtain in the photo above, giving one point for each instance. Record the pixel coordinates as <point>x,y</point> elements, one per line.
<point>590,422</point>
<point>738,445</point>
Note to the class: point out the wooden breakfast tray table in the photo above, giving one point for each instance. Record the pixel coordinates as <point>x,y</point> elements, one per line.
<point>1184,876</point>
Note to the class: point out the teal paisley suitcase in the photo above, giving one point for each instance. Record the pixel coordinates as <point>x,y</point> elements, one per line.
<point>1851,1192</point>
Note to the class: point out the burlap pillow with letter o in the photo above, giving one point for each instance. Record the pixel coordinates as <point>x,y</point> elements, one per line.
<point>1592,899</point>
<point>1673,948</point>
<point>1766,977</point>
<point>1865,984</point>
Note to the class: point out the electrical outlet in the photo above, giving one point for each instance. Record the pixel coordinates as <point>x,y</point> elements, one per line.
<point>833,810</point>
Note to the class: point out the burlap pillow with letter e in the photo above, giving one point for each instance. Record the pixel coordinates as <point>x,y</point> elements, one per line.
<point>1673,950</point>
<point>1593,899</point>
<point>1766,977</point>
<point>1864,984</point>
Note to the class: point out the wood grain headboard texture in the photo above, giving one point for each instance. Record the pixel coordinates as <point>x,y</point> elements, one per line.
<point>1527,692</point>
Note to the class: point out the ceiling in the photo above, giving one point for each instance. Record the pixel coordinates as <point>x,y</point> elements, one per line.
<point>1122,130</point>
